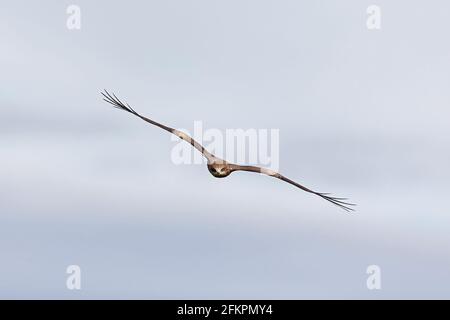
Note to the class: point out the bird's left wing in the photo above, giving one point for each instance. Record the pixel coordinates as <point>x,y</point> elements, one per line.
<point>116,103</point>
<point>337,201</point>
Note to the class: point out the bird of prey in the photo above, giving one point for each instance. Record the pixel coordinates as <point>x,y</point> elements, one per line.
<point>218,167</point>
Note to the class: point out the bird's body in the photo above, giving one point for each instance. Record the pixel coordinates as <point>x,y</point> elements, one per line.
<point>220,168</point>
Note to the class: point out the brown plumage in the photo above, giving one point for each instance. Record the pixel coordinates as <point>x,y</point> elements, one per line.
<point>220,168</point>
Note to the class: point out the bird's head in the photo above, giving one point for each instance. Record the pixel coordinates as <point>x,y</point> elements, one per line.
<point>219,171</point>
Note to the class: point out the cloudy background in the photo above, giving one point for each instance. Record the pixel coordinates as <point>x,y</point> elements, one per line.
<point>361,113</point>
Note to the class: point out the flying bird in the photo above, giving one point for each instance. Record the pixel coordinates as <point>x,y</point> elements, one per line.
<point>218,167</point>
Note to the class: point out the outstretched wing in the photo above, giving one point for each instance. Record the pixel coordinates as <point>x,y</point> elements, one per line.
<point>337,201</point>
<point>116,103</point>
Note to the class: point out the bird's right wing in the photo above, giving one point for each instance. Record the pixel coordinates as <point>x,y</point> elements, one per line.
<point>337,201</point>
<point>116,103</point>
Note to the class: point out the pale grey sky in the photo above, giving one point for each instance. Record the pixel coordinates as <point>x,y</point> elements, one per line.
<point>361,113</point>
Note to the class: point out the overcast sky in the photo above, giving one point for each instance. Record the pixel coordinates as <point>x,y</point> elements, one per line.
<point>361,113</point>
